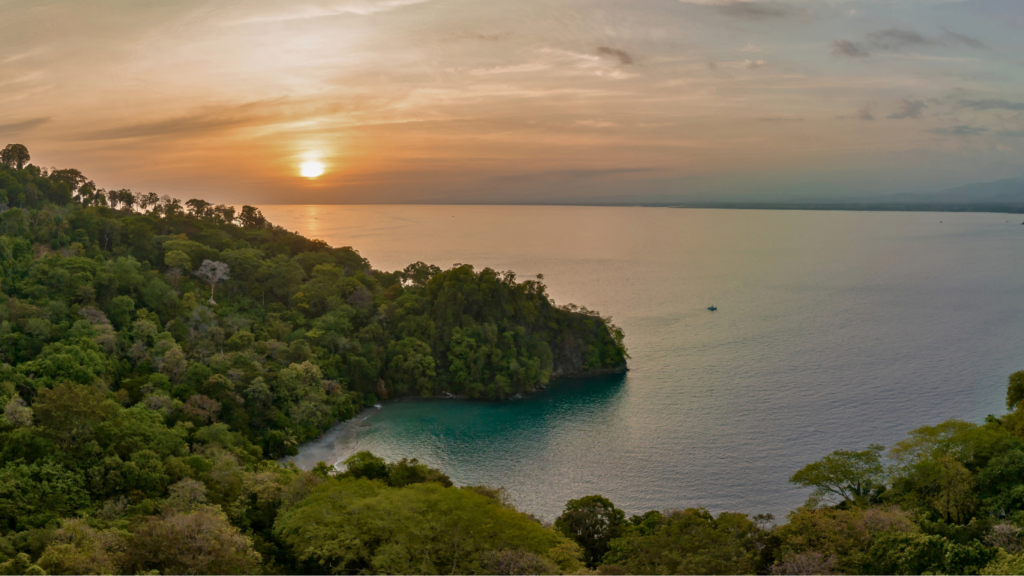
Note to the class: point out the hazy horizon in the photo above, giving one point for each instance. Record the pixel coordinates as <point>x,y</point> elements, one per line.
<point>564,102</point>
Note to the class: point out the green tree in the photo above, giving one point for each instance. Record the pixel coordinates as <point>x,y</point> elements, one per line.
<point>71,413</point>
<point>848,475</point>
<point>77,548</point>
<point>1004,563</point>
<point>690,541</point>
<point>1015,390</point>
<point>411,367</point>
<point>199,542</point>
<point>833,540</point>
<point>365,465</point>
<point>406,472</point>
<point>592,522</point>
<point>177,259</point>
<point>15,156</point>
<point>251,217</point>
<point>33,495</point>
<point>357,525</point>
<point>70,177</point>
<point>282,276</point>
<point>21,564</point>
<point>120,311</point>
<point>910,553</point>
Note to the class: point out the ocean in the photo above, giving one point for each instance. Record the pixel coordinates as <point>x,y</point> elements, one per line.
<point>834,330</point>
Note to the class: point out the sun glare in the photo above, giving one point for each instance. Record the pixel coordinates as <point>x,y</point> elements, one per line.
<point>311,168</point>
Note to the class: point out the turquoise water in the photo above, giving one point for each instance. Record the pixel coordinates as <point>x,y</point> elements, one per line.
<point>834,330</point>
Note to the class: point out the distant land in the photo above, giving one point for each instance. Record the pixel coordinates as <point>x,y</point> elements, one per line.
<point>1005,196</point>
<point>1000,196</point>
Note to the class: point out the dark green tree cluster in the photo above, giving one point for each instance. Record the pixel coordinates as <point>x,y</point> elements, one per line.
<point>691,541</point>
<point>300,335</point>
<point>947,500</point>
<point>405,518</point>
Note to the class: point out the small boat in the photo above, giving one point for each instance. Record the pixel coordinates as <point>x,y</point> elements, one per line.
<point>377,406</point>
<point>712,307</point>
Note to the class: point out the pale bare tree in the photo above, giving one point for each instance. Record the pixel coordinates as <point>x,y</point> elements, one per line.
<point>212,272</point>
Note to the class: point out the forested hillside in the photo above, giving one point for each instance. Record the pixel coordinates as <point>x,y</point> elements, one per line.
<point>247,324</point>
<point>157,358</point>
<point>152,349</point>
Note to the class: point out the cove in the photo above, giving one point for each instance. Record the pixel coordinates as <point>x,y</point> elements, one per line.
<point>834,330</point>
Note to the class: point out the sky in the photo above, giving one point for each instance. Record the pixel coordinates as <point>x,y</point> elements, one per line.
<point>524,101</point>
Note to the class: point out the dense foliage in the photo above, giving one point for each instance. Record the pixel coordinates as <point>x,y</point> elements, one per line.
<point>157,357</point>
<point>947,500</point>
<point>300,335</point>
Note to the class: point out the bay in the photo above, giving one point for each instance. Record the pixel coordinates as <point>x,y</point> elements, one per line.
<point>833,330</point>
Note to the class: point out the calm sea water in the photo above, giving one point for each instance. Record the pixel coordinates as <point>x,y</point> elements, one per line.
<point>834,330</point>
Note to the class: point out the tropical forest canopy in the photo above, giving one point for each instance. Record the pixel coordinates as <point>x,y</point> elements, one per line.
<point>158,357</point>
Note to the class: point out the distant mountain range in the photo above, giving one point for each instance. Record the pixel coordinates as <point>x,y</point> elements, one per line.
<point>998,196</point>
<point>1009,192</point>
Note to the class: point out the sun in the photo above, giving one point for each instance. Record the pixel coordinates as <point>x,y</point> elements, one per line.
<point>311,168</point>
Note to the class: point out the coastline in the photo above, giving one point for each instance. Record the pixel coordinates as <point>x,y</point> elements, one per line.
<point>342,439</point>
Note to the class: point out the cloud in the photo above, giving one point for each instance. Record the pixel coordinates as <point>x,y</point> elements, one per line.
<point>360,7</point>
<point>862,114</point>
<point>894,39</point>
<point>748,10</point>
<point>595,123</point>
<point>625,58</point>
<point>908,109</point>
<point>755,10</point>
<point>1011,133</point>
<point>193,125</point>
<point>965,40</point>
<point>15,127</point>
<point>754,64</point>
<point>574,174</point>
<point>848,48</point>
<point>992,104</point>
<point>959,130</point>
<point>513,69</point>
<point>496,37</point>
<point>492,37</point>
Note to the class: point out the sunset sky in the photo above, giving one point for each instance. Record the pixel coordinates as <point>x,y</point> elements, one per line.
<point>517,100</point>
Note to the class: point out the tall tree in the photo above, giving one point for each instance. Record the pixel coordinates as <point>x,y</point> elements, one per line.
<point>126,198</point>
<point>845,474</point>
<point>148,200</point>
<point>1015,391</point>
<point>15,155</point>
<point>212,272</point>
<point>251,217</point>
<point>70,176</point>
<point>198,208</point>
<point>592,521</point>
